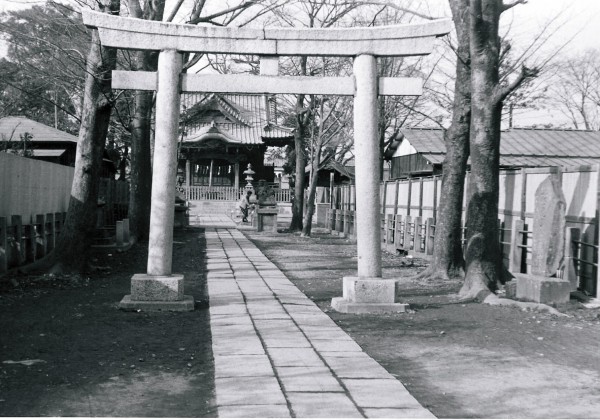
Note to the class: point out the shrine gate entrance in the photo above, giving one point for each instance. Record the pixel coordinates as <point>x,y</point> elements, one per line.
<point>159,287</point>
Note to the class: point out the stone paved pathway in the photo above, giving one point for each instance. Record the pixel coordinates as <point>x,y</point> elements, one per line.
<point>212,221</point>
<point>278,355</point>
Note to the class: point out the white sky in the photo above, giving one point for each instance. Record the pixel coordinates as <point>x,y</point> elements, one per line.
<point>577,23</point>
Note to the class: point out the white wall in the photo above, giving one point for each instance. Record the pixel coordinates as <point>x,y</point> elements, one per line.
<point>29,187</point>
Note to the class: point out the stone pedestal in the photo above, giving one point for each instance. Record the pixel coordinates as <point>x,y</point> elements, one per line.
<point>368,295</point>
<point>322,214</point>
<point>157,293</point>
<point>542,289</point>
<point>266,219</point>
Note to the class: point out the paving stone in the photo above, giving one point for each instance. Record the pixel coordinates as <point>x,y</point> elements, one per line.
<point>222,299</point>
<point>234,308</point>
<point>312,319</point>
<point>275,326</point>
<point>248,391</point>
<point>335,345</point>
<point>301,357</point>
<point>322,405</point>
<point>356,367</point>
<point>308,379</point>
<point>286,340</point>
<point>242,365</point>
<point>230,319</point>
<point>254,411</point>
<point>324,333</point>
<point>380,393</point>
<point>398,413</point>
<point>229,347</point>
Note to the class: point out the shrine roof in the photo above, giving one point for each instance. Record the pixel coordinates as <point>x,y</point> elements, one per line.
<point>520,147</point>
<point>236,119</point>
<point>11,128</point>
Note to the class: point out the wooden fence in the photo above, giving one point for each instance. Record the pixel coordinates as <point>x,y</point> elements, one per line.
<point>409,210</point>
<point>23,242</point>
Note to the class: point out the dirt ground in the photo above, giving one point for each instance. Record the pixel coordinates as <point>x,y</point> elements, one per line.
<point>458,360</point>
<point>90,359</point>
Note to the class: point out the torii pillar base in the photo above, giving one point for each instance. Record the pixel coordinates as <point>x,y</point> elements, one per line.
<point>157,293</point>
<point>373,295</point>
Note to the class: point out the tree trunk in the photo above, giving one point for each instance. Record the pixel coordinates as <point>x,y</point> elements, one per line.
<point>482,254</point>
<point>448,259</point>
<point>312,188</point>
<point>301,121</point>
<point>141,169</point>
<point>298,202</point>
<point>72,249</point>
<point>140,195</point>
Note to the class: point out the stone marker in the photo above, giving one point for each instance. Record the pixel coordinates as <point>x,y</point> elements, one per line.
<point>548,228</point>
<point>548,248</point>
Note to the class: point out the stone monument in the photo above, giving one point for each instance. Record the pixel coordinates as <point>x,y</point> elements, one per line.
<point>267,208</point>
<point>547,253</point>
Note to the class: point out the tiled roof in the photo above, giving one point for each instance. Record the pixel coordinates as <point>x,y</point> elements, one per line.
<point>13,127</point>
<point>521,147</point>
<point>240,118</point>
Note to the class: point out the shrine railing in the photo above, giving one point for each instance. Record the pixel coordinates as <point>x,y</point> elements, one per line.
<point>216,193</point>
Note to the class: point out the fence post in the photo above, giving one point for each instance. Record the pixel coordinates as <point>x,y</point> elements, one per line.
<point>3,246</point>
<point>50,232</point>
<point>40,225</point>
<point>396,196</point>
<point>523,193</point>
<point>516,251</point>
<point>18,230</point>
<point>570,268</point>
<point>389,219</point>
<point>429,238</point>
<point>407,233</point>
<point>408,196</point>
<point>398,235</point>
<point>384,197</point>
<point>421,196</point>
<point>346,222</point>
<point>435,194</point>
<point>29,239</point>
<point>418,235</point>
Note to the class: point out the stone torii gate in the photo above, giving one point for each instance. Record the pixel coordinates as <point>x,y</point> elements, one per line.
<point>159,288</point>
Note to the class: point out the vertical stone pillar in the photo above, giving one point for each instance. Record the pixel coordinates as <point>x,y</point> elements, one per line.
<point>366,149</point>
<point>368,292</point>
<point>159,289</point>
<point>160,247</point>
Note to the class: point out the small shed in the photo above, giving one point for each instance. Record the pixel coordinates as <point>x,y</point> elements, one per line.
<point>420,152</point>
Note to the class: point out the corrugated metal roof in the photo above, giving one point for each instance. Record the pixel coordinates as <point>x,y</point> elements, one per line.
<point>242,118</point>
<point>13,127</point>
<point>521,147</point>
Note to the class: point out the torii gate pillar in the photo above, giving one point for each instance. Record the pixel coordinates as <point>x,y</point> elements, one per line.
<point>159,289</point>
<point>369,292</point>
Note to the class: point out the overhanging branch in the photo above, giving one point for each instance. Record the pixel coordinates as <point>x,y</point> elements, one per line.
<point>503,91</point>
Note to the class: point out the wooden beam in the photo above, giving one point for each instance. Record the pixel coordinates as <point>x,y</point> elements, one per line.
<point>247,83</point>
